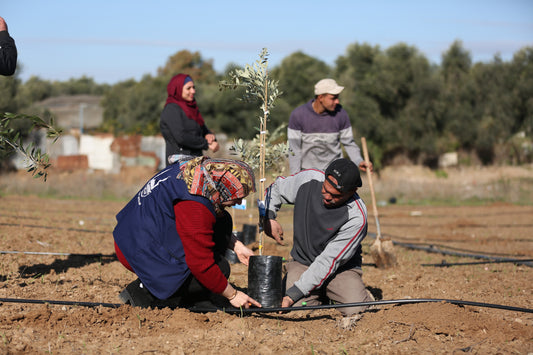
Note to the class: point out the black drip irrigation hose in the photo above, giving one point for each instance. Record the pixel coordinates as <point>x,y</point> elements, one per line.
<point>97,255</point>
<point>50,227</point>
<point>284,310</point>
<point>432,249</point>
<point>435,245</point>
<point>61,303</point>
<point>463,250</point>
<point>444,263</point>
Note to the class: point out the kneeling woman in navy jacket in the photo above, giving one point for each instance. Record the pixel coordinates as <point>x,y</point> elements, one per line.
<point>173,235</point>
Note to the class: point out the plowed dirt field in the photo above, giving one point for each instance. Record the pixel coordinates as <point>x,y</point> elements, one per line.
<point>62,250</point>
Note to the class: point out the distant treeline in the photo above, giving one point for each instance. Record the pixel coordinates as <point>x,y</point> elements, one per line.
<point>404,105</point>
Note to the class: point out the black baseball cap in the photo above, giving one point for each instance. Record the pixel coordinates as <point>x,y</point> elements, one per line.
<point>346,173</point>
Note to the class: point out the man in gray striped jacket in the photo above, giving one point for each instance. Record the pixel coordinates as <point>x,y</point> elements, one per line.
<point>330,222</point>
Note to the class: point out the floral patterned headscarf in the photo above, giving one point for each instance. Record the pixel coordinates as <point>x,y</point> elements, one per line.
<point>218,180</point>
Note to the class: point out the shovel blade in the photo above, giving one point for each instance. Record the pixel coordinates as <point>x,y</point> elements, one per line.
<point>382,251</point>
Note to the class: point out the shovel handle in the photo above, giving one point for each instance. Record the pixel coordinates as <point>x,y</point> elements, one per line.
<point>371,184</point>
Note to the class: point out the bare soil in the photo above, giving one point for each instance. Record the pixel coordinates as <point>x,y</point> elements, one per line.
<point>89,272</point>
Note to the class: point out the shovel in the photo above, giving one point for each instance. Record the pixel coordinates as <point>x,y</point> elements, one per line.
<point>382,250</point>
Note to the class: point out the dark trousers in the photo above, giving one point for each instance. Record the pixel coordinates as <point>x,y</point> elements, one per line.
<point>192,292</point>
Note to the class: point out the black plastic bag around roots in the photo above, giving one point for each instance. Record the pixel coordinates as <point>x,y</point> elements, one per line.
<point>249,233</point>
<point>265,280</point>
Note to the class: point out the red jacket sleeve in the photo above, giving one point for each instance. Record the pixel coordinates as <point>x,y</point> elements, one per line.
<point>195,226</point>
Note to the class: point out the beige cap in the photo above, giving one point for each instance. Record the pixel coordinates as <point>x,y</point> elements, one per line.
<point>328,86</point>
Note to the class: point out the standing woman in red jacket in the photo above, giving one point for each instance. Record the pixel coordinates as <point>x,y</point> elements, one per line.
<point>182,125</point>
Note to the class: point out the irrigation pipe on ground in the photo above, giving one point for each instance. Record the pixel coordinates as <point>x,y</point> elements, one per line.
<point>52,227</point>
<point>97,255</point>
<point>444,263</point>
<point>285,310</point>
<point>431,248</point>
<point>61,303</point>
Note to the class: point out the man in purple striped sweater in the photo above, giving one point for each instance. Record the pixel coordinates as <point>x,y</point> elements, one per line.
<point>318,128</point>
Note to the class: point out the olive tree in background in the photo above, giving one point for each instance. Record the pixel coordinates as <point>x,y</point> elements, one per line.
<point>191,63</point>
<point>401,103</point>
<point>458,97</point>
<point>297,75</point>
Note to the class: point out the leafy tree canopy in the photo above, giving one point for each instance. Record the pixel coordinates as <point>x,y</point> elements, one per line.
<point>400,102</point>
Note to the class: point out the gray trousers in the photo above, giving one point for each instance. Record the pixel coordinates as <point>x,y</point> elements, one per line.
<point>345,286</point>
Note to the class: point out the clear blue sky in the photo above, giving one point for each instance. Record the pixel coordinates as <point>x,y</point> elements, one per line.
<point>115,40</point>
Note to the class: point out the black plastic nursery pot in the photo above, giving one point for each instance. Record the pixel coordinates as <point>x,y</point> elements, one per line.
<point>249,232</point>
<point>265,280</point>
<point>231,257</point>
